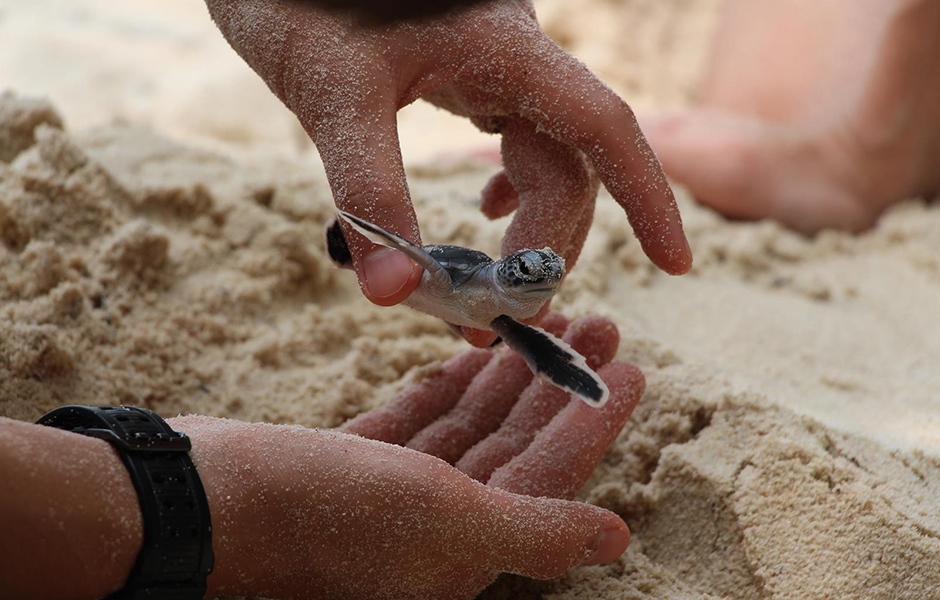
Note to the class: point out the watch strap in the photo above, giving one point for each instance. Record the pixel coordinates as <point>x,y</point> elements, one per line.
<point>176,555</point>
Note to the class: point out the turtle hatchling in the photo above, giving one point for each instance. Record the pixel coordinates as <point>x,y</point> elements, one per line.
<point>467,287</point>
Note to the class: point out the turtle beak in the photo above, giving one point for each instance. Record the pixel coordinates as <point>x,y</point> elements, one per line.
<point>543,289</point>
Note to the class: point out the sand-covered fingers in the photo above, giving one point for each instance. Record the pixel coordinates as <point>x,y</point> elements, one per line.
<point>563,454</point>
<point>342,81</point>
<point>558,192</point>
<point>544,537</point>
<point>421,403</point>
<point>556,188</point>
<point>360,152</point>
<point>594,337</point>
<point>484,405</point>
<point>498,198</point>
<point>535,78</point>
<point>479,411</point>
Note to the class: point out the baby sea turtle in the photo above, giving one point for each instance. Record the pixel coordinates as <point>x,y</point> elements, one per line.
<point>467,287</point>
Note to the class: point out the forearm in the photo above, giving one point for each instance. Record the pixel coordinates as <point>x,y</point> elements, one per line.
<point>295,513</point>
<point>70,521</point>
<point>68,508</point>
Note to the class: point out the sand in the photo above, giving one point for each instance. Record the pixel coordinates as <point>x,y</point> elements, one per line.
<point>788,445</point>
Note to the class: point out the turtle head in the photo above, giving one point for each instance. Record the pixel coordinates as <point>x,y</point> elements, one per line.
<point>531,273</point>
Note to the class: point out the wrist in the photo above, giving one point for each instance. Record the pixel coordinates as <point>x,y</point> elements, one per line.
<point>221,451</point>
<point>268,499</point>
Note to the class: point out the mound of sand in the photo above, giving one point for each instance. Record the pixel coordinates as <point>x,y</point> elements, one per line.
<point>137,270</point>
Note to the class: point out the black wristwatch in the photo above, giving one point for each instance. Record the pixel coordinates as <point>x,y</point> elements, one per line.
<point>176,555</point>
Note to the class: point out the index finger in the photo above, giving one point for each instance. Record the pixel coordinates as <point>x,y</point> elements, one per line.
<point>344,96</point>
<point>543,83</point>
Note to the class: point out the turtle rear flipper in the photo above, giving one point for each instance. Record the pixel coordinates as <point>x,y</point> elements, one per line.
<point>553,359</point>
<point>337,247</point>
<point>439,279</point>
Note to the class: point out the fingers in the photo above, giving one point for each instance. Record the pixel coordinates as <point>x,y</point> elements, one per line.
<point>484,405</point>
<point>542,537</point>
<point>479,338</point>
<point>562,97</point>
<point>555,188</point>
<point>566,451</point>
<point>494,390</point>
<point>596,338</point>
<point>362,159</point>
<point>499,197</point>
<point>420,403</point>
<point>344,97</point>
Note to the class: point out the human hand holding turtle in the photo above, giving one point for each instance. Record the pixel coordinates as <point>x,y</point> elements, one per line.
<point>491,63</point>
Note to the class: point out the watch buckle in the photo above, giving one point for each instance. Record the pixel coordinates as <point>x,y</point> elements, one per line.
<point>142,441</point>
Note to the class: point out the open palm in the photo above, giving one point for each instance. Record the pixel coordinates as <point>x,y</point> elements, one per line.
<point>483,413</point>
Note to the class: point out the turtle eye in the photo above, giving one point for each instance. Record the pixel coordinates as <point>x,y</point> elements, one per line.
<point>524,268</point>
<point>530,265</point>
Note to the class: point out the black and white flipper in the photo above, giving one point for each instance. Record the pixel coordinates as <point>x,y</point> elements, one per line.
<point>439,279</point>
<point>553,359</point>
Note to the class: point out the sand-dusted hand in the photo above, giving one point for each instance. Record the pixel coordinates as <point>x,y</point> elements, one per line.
<point>466,474</point>
<point>492,63</point>
<point>312,513</point>
<point>486,413</point>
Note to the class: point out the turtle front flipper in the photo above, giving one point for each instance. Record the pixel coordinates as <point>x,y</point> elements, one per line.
<point>552,359</point>
<point>438,278</point>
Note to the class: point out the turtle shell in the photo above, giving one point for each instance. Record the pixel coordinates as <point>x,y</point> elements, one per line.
<point>460,263</point>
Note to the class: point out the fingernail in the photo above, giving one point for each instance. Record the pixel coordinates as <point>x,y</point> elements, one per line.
<point>607,546</point>
<point>386,272</point>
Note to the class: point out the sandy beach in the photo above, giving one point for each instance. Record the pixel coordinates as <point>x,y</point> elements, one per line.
<point>161,244</point>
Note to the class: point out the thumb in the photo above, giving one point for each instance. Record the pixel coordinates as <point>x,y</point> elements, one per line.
<point>363,163</point>
<point>544,537</point>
